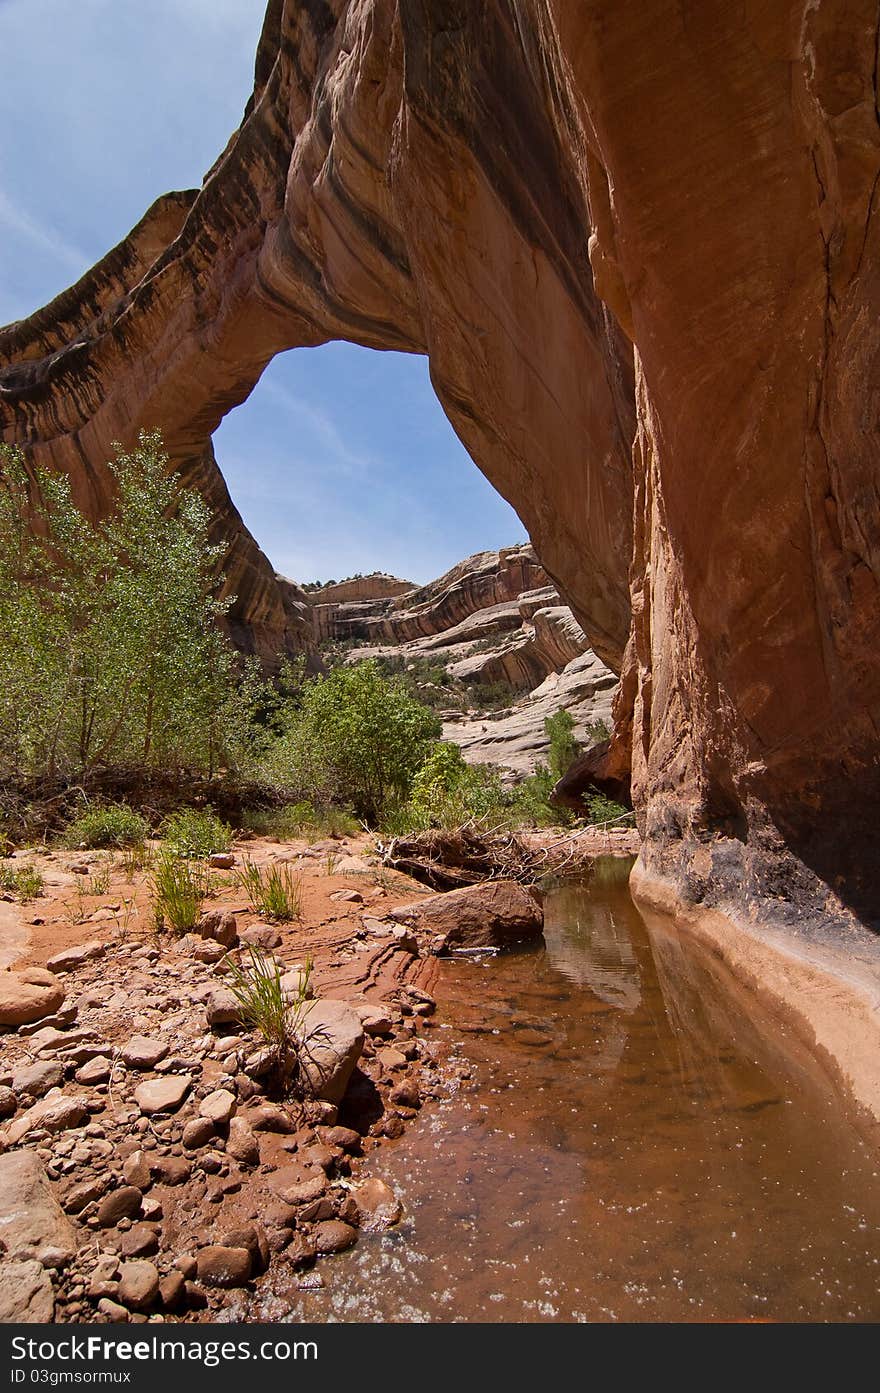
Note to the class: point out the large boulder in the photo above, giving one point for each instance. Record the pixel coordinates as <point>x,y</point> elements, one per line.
<point>28,995</point>
<point>329,1044</point>
<point>26,1295</point>
<point>494,914</point>
<point>31,1219</point>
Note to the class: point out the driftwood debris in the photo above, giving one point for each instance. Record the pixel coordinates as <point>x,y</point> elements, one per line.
<point>446,859</point>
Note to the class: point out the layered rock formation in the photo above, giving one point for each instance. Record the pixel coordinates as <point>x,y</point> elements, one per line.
<point>638,243</point>
<point>482,627</point>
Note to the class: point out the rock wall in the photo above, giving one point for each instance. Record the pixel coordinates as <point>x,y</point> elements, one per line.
<point>482,628</point>
<point>638,242</point>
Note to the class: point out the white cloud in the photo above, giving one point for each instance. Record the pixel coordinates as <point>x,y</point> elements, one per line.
<point>42,235</point>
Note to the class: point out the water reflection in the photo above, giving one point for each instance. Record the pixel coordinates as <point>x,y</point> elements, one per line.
<point>640,1143</point>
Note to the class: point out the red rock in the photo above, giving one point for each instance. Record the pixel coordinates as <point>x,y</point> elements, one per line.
<point>219,1266</point>
<point>124,1203</point>
<point>28,995</point>
<point>333,1236</point>
<point>138,1285</point>
<point>377,1205</point>
<point>494,914</point>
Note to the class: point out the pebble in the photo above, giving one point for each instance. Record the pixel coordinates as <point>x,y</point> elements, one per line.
<point>138,1285</point>
<point>219,1266</point>
<point>333,1236</point>
<point>94,1071</point>
<point>143,1052</point>
<point>136,1170</point>
<point>141,1241</point>
<point>162,1095</point>
<point>218,1107</point>
<point>124,1203</point>
<point>197,1133</point>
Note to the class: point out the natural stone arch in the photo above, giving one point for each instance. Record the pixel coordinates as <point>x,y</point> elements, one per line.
<point>440,178</point>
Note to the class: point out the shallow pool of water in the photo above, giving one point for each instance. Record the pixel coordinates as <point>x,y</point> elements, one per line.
<point>638,1142</point>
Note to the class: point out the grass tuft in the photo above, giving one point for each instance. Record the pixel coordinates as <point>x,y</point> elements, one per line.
<point>268,1008</point>
<point>179,890</point>
<point>273,891</point>
<point>24,882</point>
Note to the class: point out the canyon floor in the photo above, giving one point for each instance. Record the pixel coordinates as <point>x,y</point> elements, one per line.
<point>145,1173</point>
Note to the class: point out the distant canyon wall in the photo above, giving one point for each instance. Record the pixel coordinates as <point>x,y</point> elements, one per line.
<point>638,242</point>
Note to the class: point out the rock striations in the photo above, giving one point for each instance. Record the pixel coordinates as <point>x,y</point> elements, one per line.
<point>494,619</point>
<point>639,245</point>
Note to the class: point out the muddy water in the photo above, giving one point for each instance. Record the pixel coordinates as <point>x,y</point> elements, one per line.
<point>637,1143</point>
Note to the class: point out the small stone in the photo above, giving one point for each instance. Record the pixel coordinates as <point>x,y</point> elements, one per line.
<point>136,1170</point>
<point>141,1241</point>
<point>187,1266</point>
<point>55,1113</point>
<point>253,1238</point>
<point>28,995</point>
<point>171,1170</point>
<point>138,1285</point>
<point>197,1133</point>
<point>115,1313</point>
<point>162,1095</point>
<point>221,861</point>
<point>85,1192</point>
<point>94,1071</point>
<point>347,896</point>
<point>406,1094</point>
<point>219,925</point>
<point>345,1137</point>
<point>70,958</point>
<point>222,1007</point>
<point>143,1052</point>
<point>34,1080</point>
<point>333,1236</point>
<point>172,1291</point>
<point>270,1117</point>
<point>8,1102</point>
<point>318,1155</point>
<point>377,1205</point>
<point>106,1269</point>
<point>218,1107</point>
<point>241,1144</point>
<point>219,1266</point>
<point>391,1059</point>
<point>288,1183</point>
<point>124,1203</point>
<point>261,936</point>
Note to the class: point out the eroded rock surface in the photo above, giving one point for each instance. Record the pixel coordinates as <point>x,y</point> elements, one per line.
<point>495,618</point>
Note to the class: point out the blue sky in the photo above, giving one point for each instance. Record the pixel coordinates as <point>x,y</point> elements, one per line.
<point>342,459</point>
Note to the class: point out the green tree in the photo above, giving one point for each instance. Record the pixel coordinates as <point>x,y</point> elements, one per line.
<point>112,652</point>
<point>357,738</point>
<point>564,748</point>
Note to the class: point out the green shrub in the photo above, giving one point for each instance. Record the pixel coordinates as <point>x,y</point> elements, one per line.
<point>24,882</point>
<point>179,891</point>
<point>116,825</point>
<point>529,802</point>
<point>358,738</point>
<point>273,891</point>
<point>447,791</point>
<point>301,819</point>
<point>193,832</point>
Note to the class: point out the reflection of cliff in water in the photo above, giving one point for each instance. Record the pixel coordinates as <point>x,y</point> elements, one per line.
<point>588,942</point>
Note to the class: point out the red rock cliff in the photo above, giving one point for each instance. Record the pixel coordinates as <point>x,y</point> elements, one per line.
<point>638,242</point>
